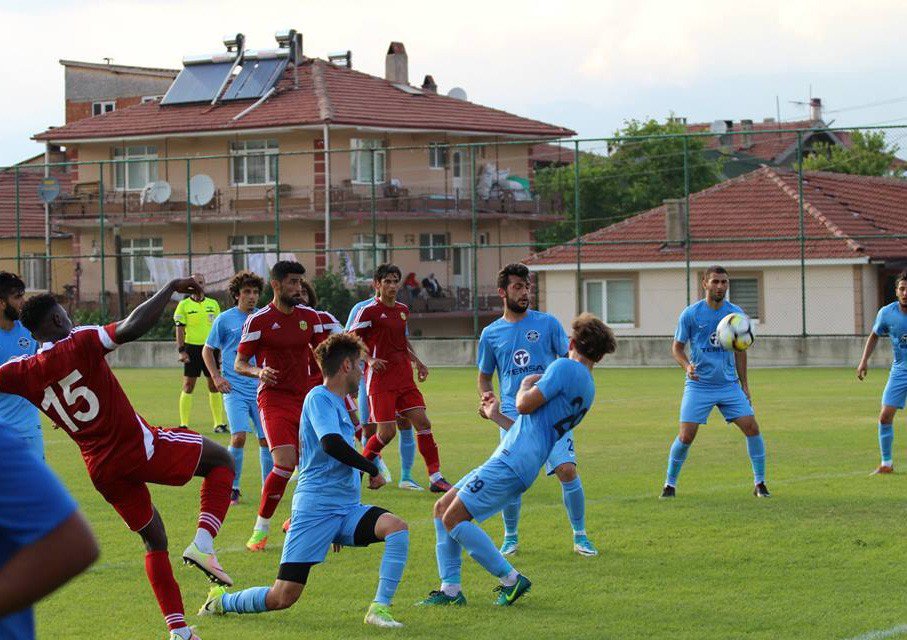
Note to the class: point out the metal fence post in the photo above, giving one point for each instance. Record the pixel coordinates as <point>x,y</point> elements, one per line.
<point>577,228</point>
<point>374,210</point>
<point>188,217</point>
<point>18,227</point>
<point>802,234</point>
<point>277,202</point>
<point>686,196</point>
<point>475,242</point>
<point>103,239</point>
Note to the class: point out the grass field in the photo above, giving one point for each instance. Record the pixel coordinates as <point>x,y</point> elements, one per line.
<point>820,559</point>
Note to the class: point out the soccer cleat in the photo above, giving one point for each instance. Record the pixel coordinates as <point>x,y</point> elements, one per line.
<point>258,541</point>
<point>410,485</point>
<point>509,546</point>
<point>286,525</point>
<point>221,428</point>
<point>192,636</point>
<point>207,563</point>
<point>380,616</point>
<point>883,469</point>
<point>761,491</point>
<point>583,546</point>
<point>439,598</point>
<point>234,496</point>
<point>440,486</point>
<point>508,595</point>
<point>668,491</point>
<point>183,426</point>
<point>214,605</point>
<point>383,470</point>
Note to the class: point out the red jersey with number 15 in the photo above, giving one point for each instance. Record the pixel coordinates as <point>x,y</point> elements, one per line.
<point>383,330</point>
<point>73,385</point>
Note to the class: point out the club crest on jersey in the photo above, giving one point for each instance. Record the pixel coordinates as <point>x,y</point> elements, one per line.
<point>24,342</point>
<point>303,325</point>
<point>403,316</point>
<point>521,357</point>
<point>532,335</point>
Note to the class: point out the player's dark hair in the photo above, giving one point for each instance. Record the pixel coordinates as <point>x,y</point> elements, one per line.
<point>592,337</point>
<point>10,284</point>
<point>901,276</point>
<point>283,268</point>
<point>385,270</point>
<point>310,294</point>
<point>517,269</point>
<point>35,310</point>
<point>715,268</point>
<point>245,279</point>
<point>339,347</point>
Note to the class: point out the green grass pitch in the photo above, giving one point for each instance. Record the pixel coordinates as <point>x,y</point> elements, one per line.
<point>820,559</point>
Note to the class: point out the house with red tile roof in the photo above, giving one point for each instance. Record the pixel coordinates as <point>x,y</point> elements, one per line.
<point>634,273</point>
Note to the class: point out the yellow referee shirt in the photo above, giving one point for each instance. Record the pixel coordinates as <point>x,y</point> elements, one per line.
<point>197,317</point>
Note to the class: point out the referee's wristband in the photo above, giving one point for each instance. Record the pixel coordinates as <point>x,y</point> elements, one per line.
<point>181,348</point>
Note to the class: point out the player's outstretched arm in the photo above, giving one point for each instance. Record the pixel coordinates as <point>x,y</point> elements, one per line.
<point>863,367</point>
<point>335,446</point>
<point>529,397</point>
<point>145,316</point>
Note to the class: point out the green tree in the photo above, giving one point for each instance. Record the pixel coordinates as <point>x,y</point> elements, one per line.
<point>868,155</point>
<point>334,296</point>
<point>642,169</point>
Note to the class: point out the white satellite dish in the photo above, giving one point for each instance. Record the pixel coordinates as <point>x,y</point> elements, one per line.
<point>719,126</point>
<point>158,192</point>
<point>201,190</point>
<point>457,93</point>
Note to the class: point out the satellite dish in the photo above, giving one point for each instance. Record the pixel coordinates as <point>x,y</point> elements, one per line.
<point>158,192</point>
<point>719,126</point>
<point>457,93</point>
<point>201,190</point>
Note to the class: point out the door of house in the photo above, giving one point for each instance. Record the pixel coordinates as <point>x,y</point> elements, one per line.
<point>456,172</point>
<point>462,267</point>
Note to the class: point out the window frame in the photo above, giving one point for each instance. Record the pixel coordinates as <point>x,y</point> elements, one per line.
<point>760,298</point>
<point>438,155</point>
<point>101,106</point>
<point>34,271</point>
<point>239,150</point>
<point>362,248</point>
<point>130,162</point>
<point>131,252</point>
<point>361,148</point>
<point>603,312</point>
<point>241,246</point>
<point>429,248</point>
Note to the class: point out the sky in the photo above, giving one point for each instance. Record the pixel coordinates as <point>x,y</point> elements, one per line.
<point>588,66</point>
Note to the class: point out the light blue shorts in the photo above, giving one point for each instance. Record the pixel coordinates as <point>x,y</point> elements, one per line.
<point>240,411</point>
<point>489,488</point>
<point>896,390</point>
<point>699,400</point>
<point>311,535</point>
<point>562,452</point>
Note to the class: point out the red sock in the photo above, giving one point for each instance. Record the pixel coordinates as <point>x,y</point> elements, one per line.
<point>215,499</point>
<point>428,450</point>
<point>272,492</point>
<point>357,432</point>
<point>373,447</point>
<point>166,590</point>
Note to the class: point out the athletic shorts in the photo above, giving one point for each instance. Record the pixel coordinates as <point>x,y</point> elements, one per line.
<point>196,365</point>
<point>311,534</point>
<point>896,390</point>
<point>562,453</point>
<point>489,488</point>
<point>174,461</point>
<point>280,414</point>
<point>242,414</point>
<point>385,405</point>
<point>699,399</point>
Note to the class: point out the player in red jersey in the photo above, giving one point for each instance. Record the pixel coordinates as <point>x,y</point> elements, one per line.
<point>279,337</point>
<point>389,373</point>
<point>72,383</point>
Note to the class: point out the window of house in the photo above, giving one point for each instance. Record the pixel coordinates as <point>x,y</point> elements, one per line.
<point>365,257</point>
<point>432,247</point>
<point>366,152</point>
<point>612,300</point>
<point>242,246</point>
<point>254,162</point>
<point>34,271</point>
<point>744,292</point>
<point>437,155</point>
<point>151,99</point>
<point>135,269</point>
<point>97,108</point>
<point>136,166</point>
<point>483,239</point>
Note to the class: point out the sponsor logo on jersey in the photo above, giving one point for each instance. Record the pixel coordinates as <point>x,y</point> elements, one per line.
<point>902,341</point>
<point>713,342</point>
<point>383,316</point>
<point>303,325</point>
<point>24,342</point>
<point>275,326</point>
<point>521,357</point>
<point>532,335</point>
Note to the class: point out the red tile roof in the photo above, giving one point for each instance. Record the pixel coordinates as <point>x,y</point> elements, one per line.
<point>31,208</point>
<point>844,217</point>
<point>326,93</point>
<point>765,141</point>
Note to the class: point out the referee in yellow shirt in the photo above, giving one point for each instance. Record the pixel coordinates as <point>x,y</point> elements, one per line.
<point>194,316</point>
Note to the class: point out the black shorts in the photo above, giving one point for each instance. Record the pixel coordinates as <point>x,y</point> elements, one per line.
<point>196,365</point>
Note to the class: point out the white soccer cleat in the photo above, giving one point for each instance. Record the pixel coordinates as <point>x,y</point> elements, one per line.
<point>207,563</point>
<point>380,616</point>
<point>410,485</point>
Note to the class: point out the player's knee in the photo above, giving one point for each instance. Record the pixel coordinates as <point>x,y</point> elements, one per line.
<point>566,472</point>
<point>154,540</point>
<point>282,598</point>
<point>238,440</point>
<point>395,525</point>
<point>439,508</point>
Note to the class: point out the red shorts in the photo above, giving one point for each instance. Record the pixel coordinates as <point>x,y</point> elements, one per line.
<point>280,416</point>
<point>174,461</point>
<point>351,403</point>
<point>385,405</point>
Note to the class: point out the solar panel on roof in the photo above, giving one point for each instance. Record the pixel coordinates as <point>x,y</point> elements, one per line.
<point>256,78</point>
<point>197,83</point>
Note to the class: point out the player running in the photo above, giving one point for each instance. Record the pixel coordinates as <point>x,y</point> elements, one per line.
<point>279,338</point>
<point>549,405</point>
<point>524,342</point>
<point>389,373</point>
<point>76,389</point>
<point>714,377</point>
<point>238,391</point>
<point>891,321</point>
<point>327,507</point>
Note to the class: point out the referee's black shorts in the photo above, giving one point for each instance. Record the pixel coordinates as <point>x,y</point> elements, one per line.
<point>196,365</point>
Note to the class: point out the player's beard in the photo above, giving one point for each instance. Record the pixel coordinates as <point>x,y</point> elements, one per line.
<point>516,306</point>
<point>717,297</point>
<point>10,313</point>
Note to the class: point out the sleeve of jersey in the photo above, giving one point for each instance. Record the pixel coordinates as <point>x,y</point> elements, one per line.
<point>323,416</point>
<point>333,325</point>
<point>362,323</point>
<point>13,377</point>
<point>879,327</point>
<point>107,337</point>
<point>213,339</point>
<point>683,331</point>
<point>561,341</point>
<point>179,315</point>
<point>553,380</point>
<point>251,334</point>
<point>485,357</point>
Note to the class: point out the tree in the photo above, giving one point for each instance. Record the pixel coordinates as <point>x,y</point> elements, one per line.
<point>641,170</point>
<point>334,296</point>
<point>868,155</point>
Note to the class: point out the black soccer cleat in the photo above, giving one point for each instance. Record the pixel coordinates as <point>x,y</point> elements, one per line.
<point>761,491</point>
<point>221,428</point>
<point>668,492</point>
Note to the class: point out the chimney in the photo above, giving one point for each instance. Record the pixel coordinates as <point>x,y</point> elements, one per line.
<point>768,120</point>
<point>815,109</point>
<point>396,64</point>
<point>747,127</point>
<point>675,220</point>
<point>429,85</point>
<point>727,138</point>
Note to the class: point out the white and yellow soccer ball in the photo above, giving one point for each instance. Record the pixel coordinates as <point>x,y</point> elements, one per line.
<point>735,332</point>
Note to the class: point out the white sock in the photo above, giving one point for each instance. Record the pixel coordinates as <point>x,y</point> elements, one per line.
<point>510,579</point>
<point>436,476</point>
<point>888,463</point>
<point>450,589</point>
<point>262,524</point>
<point>183,632</point>
<point>204,541</point>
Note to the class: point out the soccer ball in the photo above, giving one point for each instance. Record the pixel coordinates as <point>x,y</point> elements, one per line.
<point>735,332</point>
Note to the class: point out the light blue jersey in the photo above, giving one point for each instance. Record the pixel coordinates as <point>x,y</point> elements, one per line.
<point>18,415</point>
<point>697,325</point>
<point>224,335</point>
<point>519,349</point>
<point>325,484</point>
<point>891,322</point>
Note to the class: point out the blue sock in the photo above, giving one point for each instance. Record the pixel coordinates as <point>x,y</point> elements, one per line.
<point>448,553</point>
<point>396,548</point>
<point>676,459</point>
<point>481,549</point>
<point>267,463</point>
<point>246,601</point>
<point>511,515</point>
<point>886,439</point>
<point>755,447</point>
<point>575,501</point>
<point>407,453</point>
<point>237,453</point>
